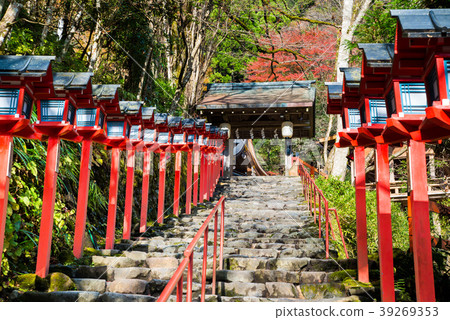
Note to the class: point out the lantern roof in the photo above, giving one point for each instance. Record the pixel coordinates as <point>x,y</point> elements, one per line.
<point>28,66</point>
<point>71,80</point>
<point>161,118</point>
<point>148,113</point>
<point>200,123</point>
<point>174,121</point>
<point>334,90</point>
<point>130,107</point>
<point>352,76</point>
<point>424,23</point>
<point>105,91</point>
<point>223,132</point>
<point>188,123</point>
<point>378,55</point>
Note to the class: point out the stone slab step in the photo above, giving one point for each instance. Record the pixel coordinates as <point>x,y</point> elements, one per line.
<point>259,299</point>
<point>58,296</point>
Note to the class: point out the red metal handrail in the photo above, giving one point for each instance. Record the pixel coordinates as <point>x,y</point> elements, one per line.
<point>312,193</point>
<point>188,260</point>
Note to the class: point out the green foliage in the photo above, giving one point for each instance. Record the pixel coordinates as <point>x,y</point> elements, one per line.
<point>378,26</point>
<point>341,195</point>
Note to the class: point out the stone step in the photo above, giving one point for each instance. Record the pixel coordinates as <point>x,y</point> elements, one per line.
<point>259,299</point>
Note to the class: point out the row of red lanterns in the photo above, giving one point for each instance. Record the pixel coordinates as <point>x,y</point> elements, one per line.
<point>70,107</point>
<point>400,94</point>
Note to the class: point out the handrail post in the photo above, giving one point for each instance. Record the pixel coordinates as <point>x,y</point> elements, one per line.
<point>320,214</point>
<point>205,264</point>
<point>327,243</point>
<point>180,289</point>
<point>189,278</point>
<point>222,234</point>
<point>320,211</point>
<point>214,265</point>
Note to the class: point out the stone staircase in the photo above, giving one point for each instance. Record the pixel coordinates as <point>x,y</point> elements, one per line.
<point>271,253</point>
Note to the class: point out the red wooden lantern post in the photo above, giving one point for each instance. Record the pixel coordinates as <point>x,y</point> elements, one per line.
<point>118,129</point>
<point>200,126</point>
<point>191,132</point>
<point>204,163</point>
<point>376,65</point>
<point>351,119</point>
<point>425,48</point>
<point>134,114</point>
<point>163,140</point>
<point>56,119</point>
<point>90,124</point>
<point>177,143</point>
<point>150,145</point>
<point>18,76</point>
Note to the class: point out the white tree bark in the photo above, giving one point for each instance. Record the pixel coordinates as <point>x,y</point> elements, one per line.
<point>48,20</point>
<point>69,37</point>
<point>8,19</point>
<point>95,48</point>
<point>339,165</point>
<point>327,136</point>
<point>2,4</point>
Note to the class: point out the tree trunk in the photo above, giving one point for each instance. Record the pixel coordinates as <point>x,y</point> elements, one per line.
<point>339,166</point>
<point>48,20</point>
<point>72,31</point>
<point>8,19</point>
<point>95,48</point>
<point>2,4</point>
<point>327,136</point>
<point>144,72</point>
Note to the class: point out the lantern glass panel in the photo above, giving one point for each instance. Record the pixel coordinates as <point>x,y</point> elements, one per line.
<point>178,138</point>
<point>134,132</point>
<point>52,110</point>
<point>115,129</point>
<point>447,75</point>
<point>191,138</point>
<point>9,99</point>
<point>432,86</point>
<point>163,137</point>
<point>101,120</point>
<point>27,106</point>
<point>149,135</point>
<point>378,112</point>
<point>414,97</point>
<point>354,118</point>
<point>86,117</point>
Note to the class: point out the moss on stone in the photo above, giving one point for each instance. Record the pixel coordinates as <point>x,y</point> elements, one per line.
<point>351,283</point>
<point>31,281</point>
<point>91,252</point>
<point>233,265</point>
<point>66,257</point>
<point>341,275</point>
<point>319,291</point>
<point>60,282</point>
